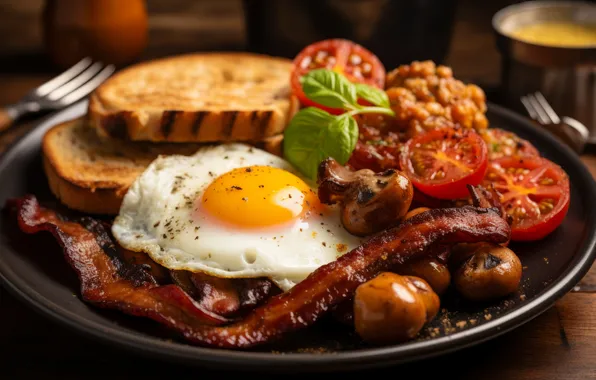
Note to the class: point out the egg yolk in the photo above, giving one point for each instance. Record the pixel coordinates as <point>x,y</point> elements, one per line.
<point>258,196</point>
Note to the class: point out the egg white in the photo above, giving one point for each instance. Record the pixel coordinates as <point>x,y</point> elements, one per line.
<point>156,217</point>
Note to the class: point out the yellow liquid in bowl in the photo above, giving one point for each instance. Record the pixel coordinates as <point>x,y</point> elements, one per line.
<point>557,34</point>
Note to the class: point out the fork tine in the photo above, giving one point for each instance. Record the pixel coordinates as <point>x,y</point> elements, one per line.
<point>58,81</point>
<point>547,108</point>
<point>542,115</point>
<point>75,83</point>
<point>529,107</point>
<point>87,87</point>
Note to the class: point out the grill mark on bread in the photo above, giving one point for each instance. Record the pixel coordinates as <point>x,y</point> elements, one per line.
<point>196,125</point>
<point>254,116</point>
<point>229,119</point>
<point>167,122</point>
<point>115,125</point>
<point>264,121</point>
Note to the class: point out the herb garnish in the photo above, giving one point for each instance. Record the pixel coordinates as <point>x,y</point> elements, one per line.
<point>314,134</point>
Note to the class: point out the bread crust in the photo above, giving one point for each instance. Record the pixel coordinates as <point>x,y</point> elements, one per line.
<point>93,201</point>
<point>239,97</point>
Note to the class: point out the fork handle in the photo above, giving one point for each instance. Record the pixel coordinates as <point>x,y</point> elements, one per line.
<point>10,114</point>
<point>7,118</point>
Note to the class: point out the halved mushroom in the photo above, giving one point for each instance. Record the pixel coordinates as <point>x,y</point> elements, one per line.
<point>370,202</point>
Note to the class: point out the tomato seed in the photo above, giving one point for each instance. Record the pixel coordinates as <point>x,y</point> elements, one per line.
<point>366,68</point>
<point>305,62</point>
<point>547,181</point>
<point>320,57</point>
<point>355,59</point>
<point>546,206</point>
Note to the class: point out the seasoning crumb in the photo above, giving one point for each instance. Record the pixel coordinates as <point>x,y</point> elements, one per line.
<point>324,244</point>
<point>461,324</point>
<point>196,238</point>
<point>488,317</point>
<point>164,236</point>
<point>545,259</point>
<point>244,199</point>
<point>261,186</point>
<point>236,187</point>
<point>211,174</point>
<point>522,297</point>
<point>156,224</point>
<point>473,321</point>
<point>248,170</point>
<point>341,247</point>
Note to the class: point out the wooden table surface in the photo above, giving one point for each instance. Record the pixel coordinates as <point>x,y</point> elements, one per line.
<point>559,344</point>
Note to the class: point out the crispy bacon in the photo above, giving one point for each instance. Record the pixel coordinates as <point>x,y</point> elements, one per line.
<point>106,279</point>
<point>225,296</point>
<point>104,284</point>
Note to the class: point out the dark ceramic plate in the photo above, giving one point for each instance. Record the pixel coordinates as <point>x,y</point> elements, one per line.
<point>33,268</point>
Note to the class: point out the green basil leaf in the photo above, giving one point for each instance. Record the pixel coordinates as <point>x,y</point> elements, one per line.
<point>341,138</point>
<point>374,95</point>
<point>314,135</point>
<point>329,89</point>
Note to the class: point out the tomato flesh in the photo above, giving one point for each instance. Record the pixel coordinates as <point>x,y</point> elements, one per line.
<point>442,162</point>
<point>354,61</point>
<point>534,193</point>
<point>502,143</point>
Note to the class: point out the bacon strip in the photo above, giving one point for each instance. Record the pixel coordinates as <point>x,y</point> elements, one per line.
<point>228,297</point>
<point>108,281</point>
<point>297,308</point>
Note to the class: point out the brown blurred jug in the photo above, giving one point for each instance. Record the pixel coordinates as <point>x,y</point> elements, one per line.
<point>111,31</point>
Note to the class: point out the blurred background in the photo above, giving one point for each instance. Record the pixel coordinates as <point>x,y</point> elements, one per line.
<point>42,37</point>
<point>455,32</point>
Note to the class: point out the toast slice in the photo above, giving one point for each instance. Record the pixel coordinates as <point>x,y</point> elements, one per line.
<point>209,97</point>
<point>91,174</point>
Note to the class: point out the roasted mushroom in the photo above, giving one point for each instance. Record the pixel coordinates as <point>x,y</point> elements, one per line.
<point>434,272</point>
<point>370,202</point>
<point>486,271</point>
<point>391,308</point>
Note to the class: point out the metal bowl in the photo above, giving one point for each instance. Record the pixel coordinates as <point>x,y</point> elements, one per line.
<point>565,75</point>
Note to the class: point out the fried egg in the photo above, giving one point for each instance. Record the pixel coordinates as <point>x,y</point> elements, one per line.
<point>233,211</point>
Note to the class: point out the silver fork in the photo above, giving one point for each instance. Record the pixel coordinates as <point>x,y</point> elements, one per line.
<point>65,89</point>
<point>569,130</point>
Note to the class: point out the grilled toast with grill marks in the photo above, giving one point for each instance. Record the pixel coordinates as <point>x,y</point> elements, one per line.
<point>207,97</point>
